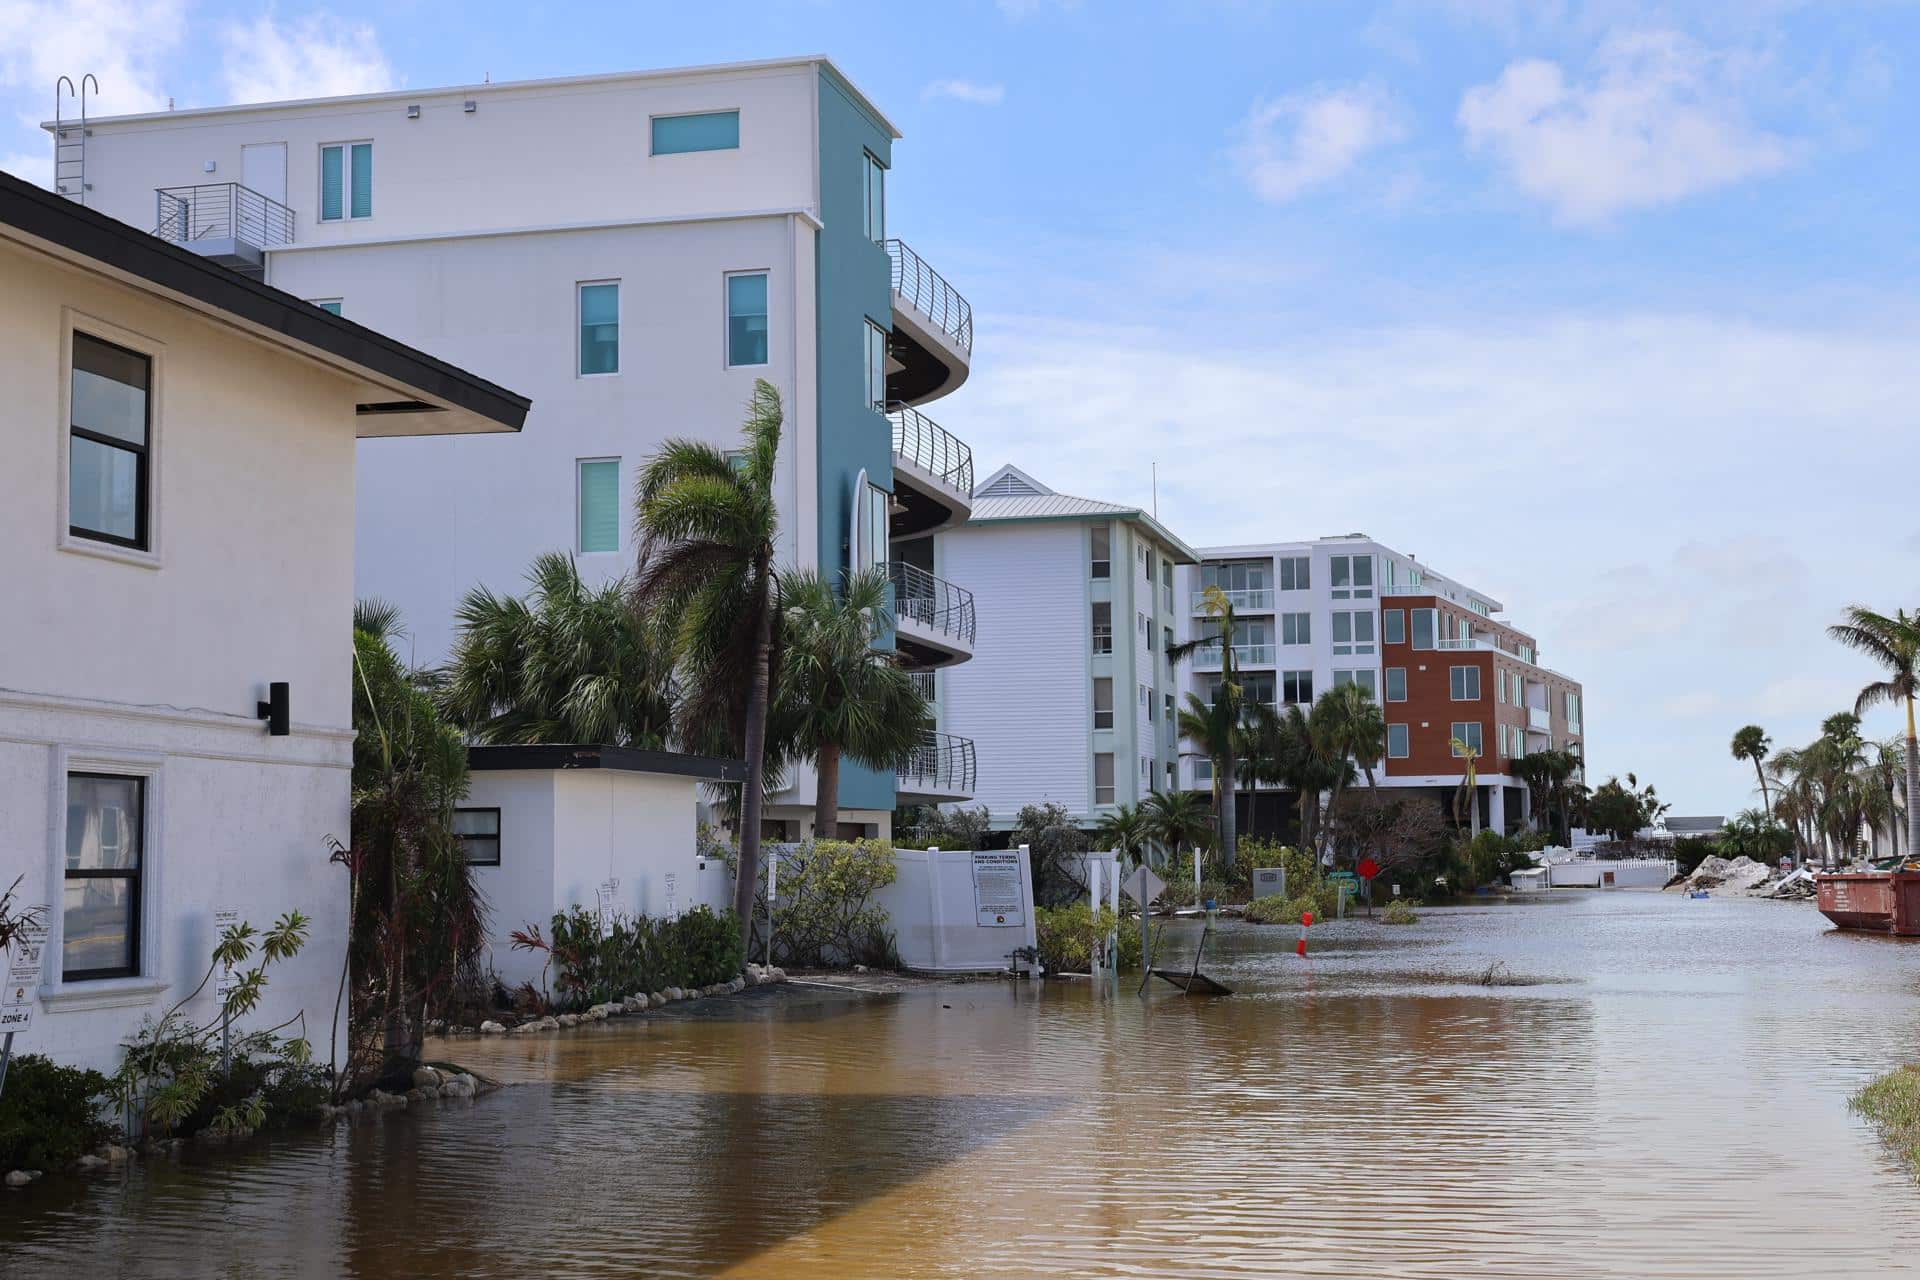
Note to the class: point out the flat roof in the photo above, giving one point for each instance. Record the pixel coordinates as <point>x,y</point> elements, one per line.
<point>485,86</point>
<point>558,755</point>
<point>428,395</point>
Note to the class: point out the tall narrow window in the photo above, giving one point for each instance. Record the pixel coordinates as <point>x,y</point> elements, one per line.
<point>1393,626</point>
<point>705,131</point>
<point>599,504</point>
<point>876,366</point>
<point>600,327</point>
<point>1396,684</point>
<point>100,899</point>
<point>1101,563</point>
<point>876,193</point>
<point>875,532</point>
<point>1423,626</point>
<point>747,318</point>
<point>346,181</point>
<point>109,425</point>
<point>1103,702</point>
<point>1397,742</point>
<point>1103,778</point>
<point>1102,627</point>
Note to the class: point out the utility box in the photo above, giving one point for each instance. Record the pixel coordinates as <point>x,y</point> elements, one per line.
<point>1269,882</point>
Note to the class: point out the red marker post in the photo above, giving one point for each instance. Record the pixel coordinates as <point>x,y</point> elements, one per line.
<point>1300,947</point>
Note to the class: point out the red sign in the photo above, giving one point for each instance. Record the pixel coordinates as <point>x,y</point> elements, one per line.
<point>1368,868</point>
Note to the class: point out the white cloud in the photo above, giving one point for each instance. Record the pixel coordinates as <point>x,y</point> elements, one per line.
<point>317,56</point>
<point>1291,145</point>
<point>1659,118</point>
<point>983,95</point>
<point>121,42</point>
<point>33,166</point>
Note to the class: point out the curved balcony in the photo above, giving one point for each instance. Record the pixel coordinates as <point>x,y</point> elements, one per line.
<point>932,330</point>
<point>932,618</point>
<point>932,474</point>
<point>940,770</point>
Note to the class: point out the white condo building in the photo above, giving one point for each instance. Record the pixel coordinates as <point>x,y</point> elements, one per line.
<point>659,242</point>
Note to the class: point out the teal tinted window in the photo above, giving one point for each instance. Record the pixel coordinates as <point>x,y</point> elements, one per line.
<point>876,366</point>
<point>362,196</point>
<point>332,304</point>
<point>599,328</point>
<point>600,505</point>
<point>708,131</point>
<point>333,183</point>
<point>876,194</point>
<point>747,319</point>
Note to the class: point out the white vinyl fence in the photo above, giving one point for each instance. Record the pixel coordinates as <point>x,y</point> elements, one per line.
<point>960,911</point>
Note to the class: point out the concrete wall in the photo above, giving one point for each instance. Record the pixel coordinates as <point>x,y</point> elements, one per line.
<point>150,665</point>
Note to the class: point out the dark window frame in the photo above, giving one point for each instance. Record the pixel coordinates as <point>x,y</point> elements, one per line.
<point>134,876</point>
<point>143,495</point>
<point>497,837</point>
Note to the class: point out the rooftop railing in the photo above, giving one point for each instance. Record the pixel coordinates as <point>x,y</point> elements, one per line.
<point>932,448</point>
<point>943,764</point>
<point>927,292</point>
<point>930,601</point>
<point>221,211</point>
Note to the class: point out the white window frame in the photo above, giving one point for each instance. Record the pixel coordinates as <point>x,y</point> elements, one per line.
<point>1098,711</point>
<point>1299,568</point>
<point>619,327</point>
<point>1456,681</point>
<point>1095,563</point>
<point>1298,676</point>
<point>1475,742</point>
<point>1354,675</point>
<point>726,318</point>
<point>1406,740</point>
<point>1300,624</point>
<point>346,182</point>
<point>579,511</point>
<point>56,994</point>
<point>151,556</point>
<point>1093,623</point>
<point>1387,684</point>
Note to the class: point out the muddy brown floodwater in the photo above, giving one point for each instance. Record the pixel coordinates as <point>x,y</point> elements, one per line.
<point>1671,1103</point>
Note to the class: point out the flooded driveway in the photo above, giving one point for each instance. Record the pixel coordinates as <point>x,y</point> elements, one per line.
<point>1660,1092</point>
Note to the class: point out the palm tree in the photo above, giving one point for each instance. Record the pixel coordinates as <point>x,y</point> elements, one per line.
<point>566,663</point>
<point>1176,820</point>
<point>1125,831</point>
<point>1225,721</point>
<point>838,697</point>
<point>706,525</point>
<point>1894,643</point>
<point>1468,793</point>
<point>1751,743</point>
<point>1290,753</point>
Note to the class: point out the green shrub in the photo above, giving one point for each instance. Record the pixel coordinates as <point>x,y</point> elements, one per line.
<point>1399,911</point>
<point>636,953</point>
<point>706,946</point>
<point>1272,909</point>
<point>49,1114</point>
<point>826,915</point>
<point>1069,937</point>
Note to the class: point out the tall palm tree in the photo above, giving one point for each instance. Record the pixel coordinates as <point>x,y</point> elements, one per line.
<point>1125,831</point>
<point>565,663</point>
<point>838,696</point>
<point>1291,753</point>
<point>1467,795</point>
<point>1751,743</point>
<point>706,525</point>
<point>1894,643</point>
<point>1226,704</point>
<point>1176,820</point>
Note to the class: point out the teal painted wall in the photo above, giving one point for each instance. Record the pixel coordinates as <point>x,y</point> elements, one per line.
<point>855,284</point>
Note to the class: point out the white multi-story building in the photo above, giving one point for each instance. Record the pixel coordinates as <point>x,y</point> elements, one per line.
<point>633,251</point>
<point>1070,697</point>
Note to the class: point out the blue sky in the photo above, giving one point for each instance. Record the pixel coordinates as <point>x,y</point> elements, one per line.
<point>1606,308</point>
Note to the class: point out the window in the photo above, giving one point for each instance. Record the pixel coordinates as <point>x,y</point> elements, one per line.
<point>1296,628</point>
<point>1140,558</point>
<point>1365,677</point>
<point>1423,625</point>
<point>1102,627</point>
<point>1296,686</point>
<point>1255,688</point>
<point>600,327</point>
<point>1464,683</point>
<point>328,304</point>
<point>1573,712</point>
<point>1466,733</point>
<point>1396,684</point>
<point>1166,583</point>
<point>1397,742</point>
<point>1352,632</point>
<point>876,366</point>
<point>1146,632</point>
<point>1102,563</point>
<point>707,131</point>
<point>346,181</point>
<point>876,199</point>
<point>1102,701</point>
<point>869,536</point>
<point>1500,685</point>
<point>1146,699</point>
<point>1393,626</point>
<point>1146,773</point>
<point>1166,640</point>
<point>747,318</point>
<point>1295,574</point>
<point>478,831</point>
<point>599,504</point>
<point>1170,714</point>
<point>1103,777</point>
<point>1240,578</point>
<point>109,424</point>
<point>1352,577</point>
<point>100,899</point>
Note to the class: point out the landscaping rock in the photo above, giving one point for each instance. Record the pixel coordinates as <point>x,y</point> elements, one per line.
<point>569,1019</point>
<point>492,1028</point>
<point>21,1177</point>
<point>426,1078</point>
<point>89,1164</point>
<point>658,999</point>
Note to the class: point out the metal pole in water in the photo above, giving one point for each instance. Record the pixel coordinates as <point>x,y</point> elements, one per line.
<point>6,1056</point>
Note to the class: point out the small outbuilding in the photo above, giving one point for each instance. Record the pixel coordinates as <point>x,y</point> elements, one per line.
<point>550,827</point>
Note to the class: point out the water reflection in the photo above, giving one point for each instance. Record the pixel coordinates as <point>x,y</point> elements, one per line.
<point>1670,1104</point>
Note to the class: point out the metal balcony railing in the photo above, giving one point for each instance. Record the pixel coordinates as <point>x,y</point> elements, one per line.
<point>931,447</point>
<point>1256,598</point>
<point>1207,657</point>
<point>930,601</point>
<point>221,211</point>
<point>1539,719</point>
<point>927,292</point>
<point>923,681</point>
<point>943,763</point>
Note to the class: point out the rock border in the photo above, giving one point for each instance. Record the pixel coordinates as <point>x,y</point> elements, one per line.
<point>755,975</point>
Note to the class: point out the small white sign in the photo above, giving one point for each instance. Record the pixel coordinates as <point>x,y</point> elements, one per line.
<point>225,918</point>
<point>24,959</point>
<point>15,1018</point>
<point>608,888</point>
<point>997,900</point>
<point>672,882</point>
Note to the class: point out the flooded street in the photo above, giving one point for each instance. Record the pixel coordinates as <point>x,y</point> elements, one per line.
<point>1662,1092</point>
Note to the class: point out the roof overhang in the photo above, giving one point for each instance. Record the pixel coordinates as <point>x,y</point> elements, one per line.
<point>556,755</point>
<point>403,391</point>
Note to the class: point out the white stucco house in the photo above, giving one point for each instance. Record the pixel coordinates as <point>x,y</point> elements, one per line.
<point>177,457</point>
<point>547,827</point>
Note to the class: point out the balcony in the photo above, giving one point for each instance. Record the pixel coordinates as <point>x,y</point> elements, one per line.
<point>932,618</point>
<point>1244,655</point>
<point>1251,600</point>
<point>225,222</point>
<point>932,474</point>
<point>941,769</point>
<point>1405,589</point>
<point>1539,719</point>
<point>932,330</point>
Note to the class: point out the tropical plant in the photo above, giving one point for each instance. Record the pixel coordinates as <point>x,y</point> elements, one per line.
<point>1551,779</point>
<point>1467,795</point>
<point>954,827</point>
<point>564,663</point>
<point>1073,938</point>
<point>826,914</point>
<point>1222,718</point>
<point>1754,833</point>
<point>838,697</point>
<point>1284,750</point>
<point>417,921</point>
<point>1622,810</point>
<point>1347,730</point>
<point>1125,831</point>
<point>706,525</point>
<point>1894,643</point>
<point>1751,743</point>
<point>1176,820</point>
<point>592,962</point>
<point>1055,844</point>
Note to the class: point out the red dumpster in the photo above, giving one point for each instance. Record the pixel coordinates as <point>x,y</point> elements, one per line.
<point>1878,901</point>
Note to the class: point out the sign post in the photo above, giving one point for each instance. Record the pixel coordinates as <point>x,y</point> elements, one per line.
<point>225,918</point>
<point>1143,887</point>
<point>1368,869</point>
<point>23,986</point>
